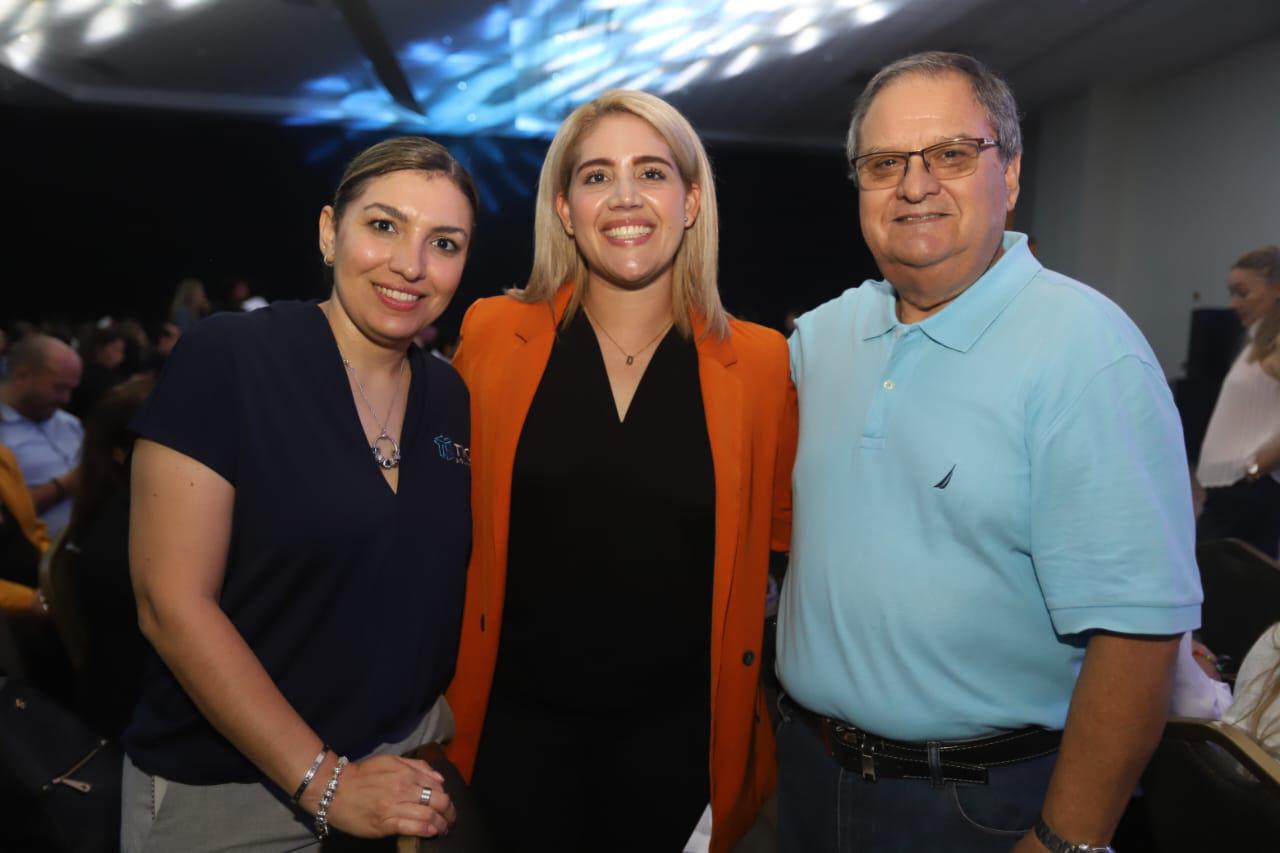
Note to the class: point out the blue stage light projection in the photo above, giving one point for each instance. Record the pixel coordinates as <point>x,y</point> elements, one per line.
<point>515,68</point>
<point>511,69</point>
<point>521,66</point>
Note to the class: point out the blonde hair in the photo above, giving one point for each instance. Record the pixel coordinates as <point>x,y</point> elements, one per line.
<point>1268,696</point>
<point>556,259</point>
<point>1266,261</point>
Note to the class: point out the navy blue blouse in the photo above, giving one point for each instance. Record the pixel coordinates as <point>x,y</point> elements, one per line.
<point>349,594</point>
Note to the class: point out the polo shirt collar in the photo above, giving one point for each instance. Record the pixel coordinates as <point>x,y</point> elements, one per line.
<point>8,414</point>
<point>959,325</point>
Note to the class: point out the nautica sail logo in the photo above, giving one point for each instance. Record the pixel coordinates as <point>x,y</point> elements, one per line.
<point>942,484</point>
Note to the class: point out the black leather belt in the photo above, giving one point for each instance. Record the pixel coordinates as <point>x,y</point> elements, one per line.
<point>937,761</point>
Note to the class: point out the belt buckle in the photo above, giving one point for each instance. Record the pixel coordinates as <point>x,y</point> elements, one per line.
<point>866,749</point>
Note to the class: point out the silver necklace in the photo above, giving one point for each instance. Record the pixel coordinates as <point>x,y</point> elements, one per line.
<point>384,462</point>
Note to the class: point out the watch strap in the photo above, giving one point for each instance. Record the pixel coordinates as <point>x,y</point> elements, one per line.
<point>1056,844</point>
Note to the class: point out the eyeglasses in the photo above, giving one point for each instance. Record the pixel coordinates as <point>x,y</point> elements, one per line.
<point>955,158</point>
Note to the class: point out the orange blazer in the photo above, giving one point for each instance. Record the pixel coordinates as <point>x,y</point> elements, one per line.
<point>750,408</point>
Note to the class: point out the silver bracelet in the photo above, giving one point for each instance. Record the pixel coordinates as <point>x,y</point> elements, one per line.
<point>311,773</point>
<point>326,800</point>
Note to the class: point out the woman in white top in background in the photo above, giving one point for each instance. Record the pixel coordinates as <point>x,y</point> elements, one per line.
<point>1240,458</point>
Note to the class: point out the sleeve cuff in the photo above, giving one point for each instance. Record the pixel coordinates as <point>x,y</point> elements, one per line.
<point>1126,620</point>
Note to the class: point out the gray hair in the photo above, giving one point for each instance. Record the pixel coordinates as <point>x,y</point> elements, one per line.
<point>991,93</point>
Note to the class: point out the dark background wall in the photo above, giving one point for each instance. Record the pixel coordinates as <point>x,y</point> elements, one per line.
<point>109,208</point>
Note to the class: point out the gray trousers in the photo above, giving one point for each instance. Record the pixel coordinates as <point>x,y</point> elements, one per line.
<point>162,816</point>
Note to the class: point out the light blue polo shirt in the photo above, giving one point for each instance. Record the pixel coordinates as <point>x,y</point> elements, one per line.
<point>972,493</point>
<point>44,451</point>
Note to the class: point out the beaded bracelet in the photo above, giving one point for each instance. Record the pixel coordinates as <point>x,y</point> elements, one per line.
<point>326,800</point>
<point>311,773</point>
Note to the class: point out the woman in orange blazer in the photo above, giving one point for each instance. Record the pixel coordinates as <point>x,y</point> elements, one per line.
<point>631,464</point>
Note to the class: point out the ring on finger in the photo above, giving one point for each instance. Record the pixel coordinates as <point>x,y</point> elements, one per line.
<point>425,797</point>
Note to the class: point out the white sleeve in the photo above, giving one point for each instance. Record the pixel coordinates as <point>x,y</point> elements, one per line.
<point>1194,693</point>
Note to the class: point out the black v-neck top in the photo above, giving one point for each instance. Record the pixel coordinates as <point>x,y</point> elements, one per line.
<point>349,594</point>
<point>612,537</point>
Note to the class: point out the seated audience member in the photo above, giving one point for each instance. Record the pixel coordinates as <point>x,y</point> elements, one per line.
<point>45,439</point>
<point>1256,708</point>
<point>137,346</point>
<point>190,304</point>
<point>1240,458</point>
<point>242,297</point>
<point>22,536</point>
<point>104,354</point>
<point>97,553</point>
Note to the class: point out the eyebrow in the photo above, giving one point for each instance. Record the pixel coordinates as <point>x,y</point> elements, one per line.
<point>641,160</point>
<point>938,141</point>
<point>388,210</point>
<point>400,217</point>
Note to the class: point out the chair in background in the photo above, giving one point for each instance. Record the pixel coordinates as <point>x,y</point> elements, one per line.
<point>57,582</point>
<point>10,656</point>
<point>1241,596</point>
<point>1210,786</point>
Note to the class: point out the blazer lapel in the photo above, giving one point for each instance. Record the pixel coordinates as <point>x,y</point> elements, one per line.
<point>723,404</point>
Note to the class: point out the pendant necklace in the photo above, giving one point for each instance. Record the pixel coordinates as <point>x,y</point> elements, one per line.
<point>631,357</point>
<point>383,461</point>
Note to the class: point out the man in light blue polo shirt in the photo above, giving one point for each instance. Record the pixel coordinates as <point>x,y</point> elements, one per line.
<point>993,536</point>
<point>43,371</point>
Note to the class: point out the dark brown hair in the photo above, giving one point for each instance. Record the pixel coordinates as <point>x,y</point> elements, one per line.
<point>108,444</point>
<point>399,154</point>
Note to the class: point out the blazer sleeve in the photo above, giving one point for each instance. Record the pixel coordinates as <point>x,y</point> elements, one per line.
<point>788,428</point>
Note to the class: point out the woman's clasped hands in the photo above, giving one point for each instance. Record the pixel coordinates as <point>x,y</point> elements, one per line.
<point>384,795</point>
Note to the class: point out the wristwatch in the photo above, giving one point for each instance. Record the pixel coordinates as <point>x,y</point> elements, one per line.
<point>1056,844</point>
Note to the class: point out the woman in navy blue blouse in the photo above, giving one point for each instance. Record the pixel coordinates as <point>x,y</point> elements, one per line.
<point>299,538</point>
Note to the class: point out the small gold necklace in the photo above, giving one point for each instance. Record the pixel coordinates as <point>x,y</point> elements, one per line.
<point>631,357</point>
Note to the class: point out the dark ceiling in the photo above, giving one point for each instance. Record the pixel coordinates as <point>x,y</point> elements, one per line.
<point>758,71</point>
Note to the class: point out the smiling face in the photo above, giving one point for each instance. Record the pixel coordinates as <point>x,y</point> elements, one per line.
<point>398,253</point>
<point>626,206</point>
<point>931,238</point>
<point>1252,296</point>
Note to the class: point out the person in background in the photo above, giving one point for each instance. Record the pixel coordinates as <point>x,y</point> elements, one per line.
<point>137,351</point>
<point>45,439</point>
<point>298,541</point>
<point>1256,707</point>
<point>96,555</point>
<point>190,304</point>
<point>1239,465</point>
<point>632,459</point>
<point>243,297</point>
<point>23,536</point>
<point>993,560</point>
<point>104,355</point>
